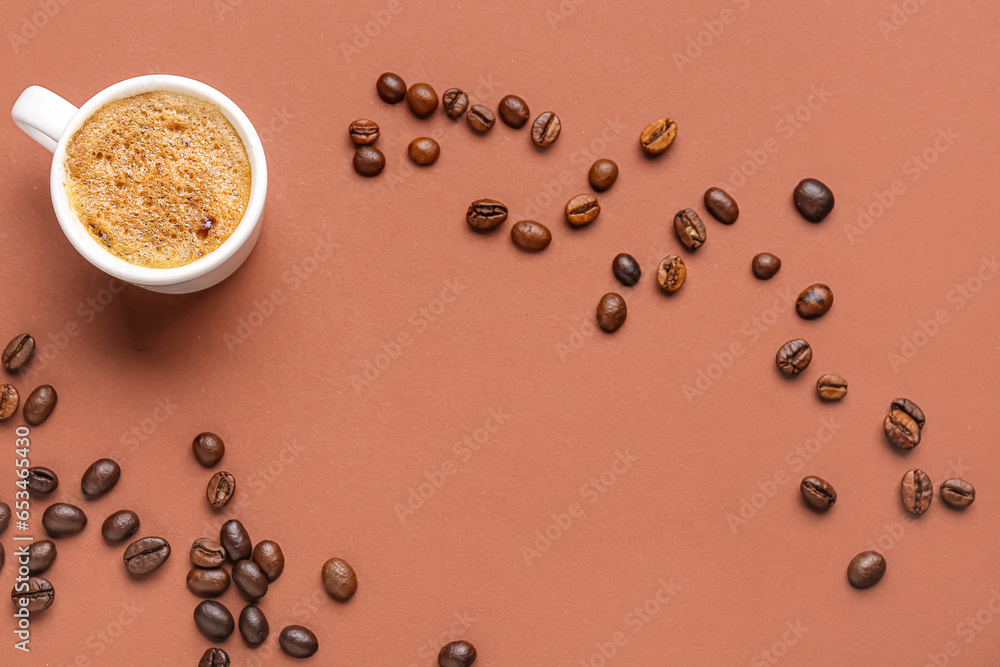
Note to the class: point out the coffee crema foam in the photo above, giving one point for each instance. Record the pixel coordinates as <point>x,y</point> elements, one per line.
<point>160,179</point>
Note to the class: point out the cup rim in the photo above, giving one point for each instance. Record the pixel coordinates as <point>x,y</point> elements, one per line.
<point>117,267</point>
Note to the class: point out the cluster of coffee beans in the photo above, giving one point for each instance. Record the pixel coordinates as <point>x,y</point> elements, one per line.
<point>40,402</point>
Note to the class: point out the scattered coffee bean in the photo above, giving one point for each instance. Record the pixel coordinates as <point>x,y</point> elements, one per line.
<point>208,583</point>
<point>658,135</point>
<point>582,210</point>
<point>957,492</point>
<point>18,351</point>
<point>910,408</point>
<point>214,657</point>
<point>901,429</point>
<point>866,569</point>
<point>818,493</point>
<point>671,273</point>
<point>214,620</point>
<point>36,595</point>
<point>39,404</point>
<point>530,235</point>
<point>721,205</point>
<point>63,520</point>
<point>4,516</point>
<point>208,448</point>
<point>514,111</point>
<point>146,554</point>
<point>9,401</point>
<point>298,641</point>
<point>249,579</point>
<point>269,558</point>
<point>689,229</point>
<point>100,477</point>
<point>207,553</point>
<point>765,265</point>
<point>363,131</point>
<point>626,269</point>
<point>42,480</point>
<point>831,387</point>
<point>611,312</point>
<point>254,627</point>
<point>422,99</point>
<point>457,654</point>
<point>391,87</point>
<point>480,118</point>
<point>41,556</point>
<point>545,130</point>
<point>423,151</point>
<point>221,488</point>
<point>455,102</point>
<point>603,174</point>
<point>793,357</point>
<point>916,490</point>
<point>486,214</point>
<point>369,161</point>
<point>235,540</point>
<point>339,579</point>
<point>814,301</point>
<point>120,526</point>
<point>813,200</point>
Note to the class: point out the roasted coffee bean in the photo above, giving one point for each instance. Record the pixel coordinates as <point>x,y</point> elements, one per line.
<point>582,210</point>
<point>214,620</point>
<point>486,214</point>
<point>120,526</point>
<point>671,273</point>
<point>207,553</point>
<point>41,555</point>
<point>99,478</point>
<point>369,161</point>
<point>18,351</point>
<point>208,448</point>
<point>603,174</point>
<point>818,493</point>
<point>626,269</point>
<point>422,99</point>
<point>916,490</point>
<point>831,387</point>
<point>269,558</point>
<point>793,357</point>
<point>530,235</point>
<point>455,102</point>
<point>36,595</point>
<point>4,516</point>
<point>249,579</point>
<point>910,408</point>
<point>235,540</point>
<point>480,118</point>
<point>957,492</point>
<point>658,135</point>
<point>514,111</point>
<point>214,657</point>
<point>765,265</point>
<point>721,205</point>
<point>9,401</point>
<point>298,641</point>
<point>814,301</point>
<point>63,520</point>
<point>363,131</point>
<point>254,627</point>
<point>611,312</point>
<point>423,151</point>
<point>457,654</point>
<point>221,488</point>
<point>689,229</point>
<point>39,404</point>
<point>208,583</point>
<point>813,200</point>
<point>866,569</point>
<point>391,87</point>
<point>545,130</point>
<point>339,579</point>
<point>146,554</point>
<point>42,480</point>
<point>901,429</point>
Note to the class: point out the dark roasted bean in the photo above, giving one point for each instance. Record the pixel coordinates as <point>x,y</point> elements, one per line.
<point>480,118</point>
<point>39,404</point>
<point>611,312</point>
<point>626,269</point>
<point>214,657</point>
<point>514,111</point>
<point>35,595</point>
<point>145,555</point>
<point>269,558</point>
<point>63,520</point>
<point>42,480</point>
<point>422,99</point>
<point>818,493</point>
<point>765,265</point>
<point>391,87</point>
<point>207,553</point>
<point>813,200</point>
<point>486,214</point>
<point>957,492</point>
<point>254,627</point>
<point>721,205</point>
<point>866,569</point>
<point>339,579</point>
<point>530,235</point>
<point>910,408</point>
<point>208,448</point>
<point>901,429</point>
<point>249,579</point>
<point>18,351</point>
<point>814,301</point>
<point>41,556</point>
<point>658,135</point>
<point>120,526</point>
<point>603,174</point>
<point>369,161</point>
<point>214,620</point>
<point>423,151</point>
<point>545,130</point>
<point>235,540</point>
<point>363,131</point>
<point>457,654</point>
<point>455,102</point>
<point>100,477</point>
<point>793,357</point>
<point>208,583</point>
<point>298,641</point>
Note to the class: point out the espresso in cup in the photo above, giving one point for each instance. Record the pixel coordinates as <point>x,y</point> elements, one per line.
<point>159,179</point>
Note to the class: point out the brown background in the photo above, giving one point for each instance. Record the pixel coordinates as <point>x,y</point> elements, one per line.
<point>345,265</point>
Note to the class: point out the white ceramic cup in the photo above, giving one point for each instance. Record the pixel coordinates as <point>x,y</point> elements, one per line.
<point>50,120</point>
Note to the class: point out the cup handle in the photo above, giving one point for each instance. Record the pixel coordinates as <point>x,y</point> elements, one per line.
<point>42,115</point>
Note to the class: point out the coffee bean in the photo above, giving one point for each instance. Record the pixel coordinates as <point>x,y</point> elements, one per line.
<point>214,620</point>
<point>455,102</point>
<point>4,516</point>
<point>99,478</point>
<point>221,488</point>
<point>582,210</point>
<point>214,657</point>
<point>120,526</point>
<point>514,111</point>
<point>831,387</point>
<point>208,448</point>
<point>545,130</point>
<point>249,579</point>
<point>339,579</point>
<point>41,556</point>
<point>36,595</point>
<point>689,229</point>
<point>611,312</point>
<point>207,553</point>
<point>814,301</point>
<point>369,161</point>
<point>793,357</point>
<point>866,569</point>
<point>671,273</point>
<point>208,583</point>
<point>658,135</point>
<point>18,351</point>
<point>146,554</point>
<point>253,625</point>
<point>530,235</point>
<point>9,401</point>
<point>63,520</point>
<point>957,492</point>
<point>298,641</point>
<point>423,151</point>
<point>457,654</point>
<point>480,118</point>
<point>721,205</point>
<point>422,99</point>
<point>917,491</point>
<point>813,200</point>
<point>818,493</point>
<point>235,540</point>
<point>391,87</point>
<point>626,269</point>
<point>765,265</point>
<point>363,131</point>
<point>901,429</point>
<point>910,408</point>
<point>269,558</point>
<point>39,404</point>
<point>603,174</point>
<point>486,214</point>
<point>42,480</point>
